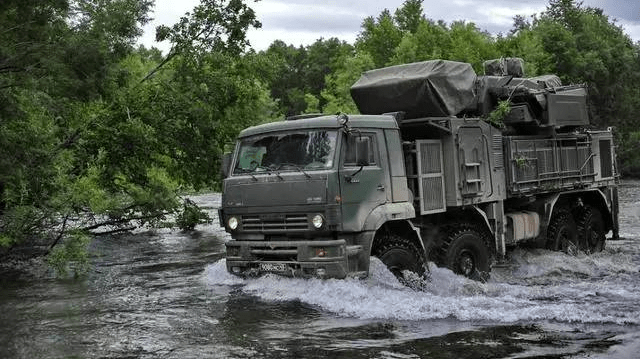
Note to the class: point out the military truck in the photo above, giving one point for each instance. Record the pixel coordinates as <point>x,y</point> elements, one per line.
<point>441,165</point>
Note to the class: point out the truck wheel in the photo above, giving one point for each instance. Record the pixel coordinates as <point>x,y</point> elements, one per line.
<point>562,234</point>
<point>591,229</point>
<point>400,254</point>
<point>468,253</point>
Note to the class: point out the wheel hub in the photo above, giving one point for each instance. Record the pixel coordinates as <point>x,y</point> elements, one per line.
<point>397,260</point>
<point>466,263</point>
<point>564,240</point>
<point>593,236</point>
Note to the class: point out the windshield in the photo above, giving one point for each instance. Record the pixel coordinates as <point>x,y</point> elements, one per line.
<point>299,150</point>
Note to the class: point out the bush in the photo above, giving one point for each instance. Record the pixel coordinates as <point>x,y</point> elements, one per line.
<point>191,216</point>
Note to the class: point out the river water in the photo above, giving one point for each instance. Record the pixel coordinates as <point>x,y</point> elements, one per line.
<point>166,294</point>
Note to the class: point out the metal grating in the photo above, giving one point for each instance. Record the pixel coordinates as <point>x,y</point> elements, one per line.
<point>430,158</point>
<point>431,176</point>
<point>275,223</point>
<point>273,252</point>
<point>498,153</point>
<point>432,194</point>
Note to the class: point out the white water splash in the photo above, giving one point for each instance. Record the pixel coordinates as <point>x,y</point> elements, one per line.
<point>216,274</point>
<point>534,286</point>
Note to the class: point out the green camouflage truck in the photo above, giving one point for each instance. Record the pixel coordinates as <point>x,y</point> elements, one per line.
<point>441,165</point>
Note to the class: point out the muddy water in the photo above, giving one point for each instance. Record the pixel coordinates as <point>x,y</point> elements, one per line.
<point>166,294</point>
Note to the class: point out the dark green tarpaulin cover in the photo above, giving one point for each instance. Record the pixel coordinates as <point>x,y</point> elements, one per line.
<point>423,89</point>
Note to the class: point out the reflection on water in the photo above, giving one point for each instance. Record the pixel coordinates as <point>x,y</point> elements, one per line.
<point>166,294</point>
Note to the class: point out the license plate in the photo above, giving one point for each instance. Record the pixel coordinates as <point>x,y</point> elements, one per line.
<point>273,267</point>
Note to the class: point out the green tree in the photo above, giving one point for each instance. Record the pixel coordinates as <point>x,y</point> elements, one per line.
<point>95,136</point>
<point>286,79</point>
<point>313,103</point>
<point>323,57</point>
<point>53,59</point>
<point>460,41</point>
<point>526,44</point>
<point>336,93</point>
<point>410,15</point>
<point>430,41</point>
<point>296,75</point>
<point>470,44</point>
<point>379,37</point>
<point>586,47</point>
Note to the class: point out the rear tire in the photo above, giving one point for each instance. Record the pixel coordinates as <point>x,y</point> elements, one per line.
<point>562,234</point>
<point>591,229</point>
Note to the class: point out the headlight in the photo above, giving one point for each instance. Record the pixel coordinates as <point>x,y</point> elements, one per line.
<point>232,222</point>
<point>317,221</point>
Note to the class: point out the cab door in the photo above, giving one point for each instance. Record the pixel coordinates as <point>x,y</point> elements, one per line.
<point>364,183</point>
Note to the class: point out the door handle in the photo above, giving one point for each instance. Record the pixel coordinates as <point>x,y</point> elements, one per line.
<point>380,187</point>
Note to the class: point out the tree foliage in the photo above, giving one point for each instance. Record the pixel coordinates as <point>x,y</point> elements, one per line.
<point>586,47</point>
<point>409,16</point>
<point>460,41</point>
<point>214,25</point>
<point>97,136</point>
<point>336,93</point>
<point>379,37</point>
<point>295,75</point>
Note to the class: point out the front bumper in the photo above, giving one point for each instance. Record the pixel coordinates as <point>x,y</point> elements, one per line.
<point>303,258</point>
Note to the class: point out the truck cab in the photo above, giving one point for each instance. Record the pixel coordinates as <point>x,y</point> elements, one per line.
<point>305,197</point>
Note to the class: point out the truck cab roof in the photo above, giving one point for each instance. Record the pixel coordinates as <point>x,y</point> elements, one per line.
<point>324,121</point>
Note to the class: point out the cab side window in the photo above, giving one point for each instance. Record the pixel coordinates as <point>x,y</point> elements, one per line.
<point>360,148</point>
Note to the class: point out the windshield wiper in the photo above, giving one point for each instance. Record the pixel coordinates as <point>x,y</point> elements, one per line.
<point>271,169</point>
<point>248,171</point>
<point>275,170</point>
<point>305,173</point>
<point>263,168</point>
<point>296,167</point>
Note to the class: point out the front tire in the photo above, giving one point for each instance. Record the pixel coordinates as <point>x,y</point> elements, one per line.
<point>468,252</point>
<point>400,254</point>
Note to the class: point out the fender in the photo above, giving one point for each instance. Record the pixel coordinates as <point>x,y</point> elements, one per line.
<point>605,203</point>
<point>388,212</point>
<point>549,207</point>
<point>595,194</point>
<point>397,213</point>
<point>604,198</point>
<point>484,216</point>
<point>554,199</point>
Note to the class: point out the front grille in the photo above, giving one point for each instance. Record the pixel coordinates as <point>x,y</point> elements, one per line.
<point>273,253</point>
<point>275,223</point>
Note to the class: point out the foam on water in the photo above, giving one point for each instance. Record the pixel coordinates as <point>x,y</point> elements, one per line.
<point>532,286</point>
<point>216,275</point>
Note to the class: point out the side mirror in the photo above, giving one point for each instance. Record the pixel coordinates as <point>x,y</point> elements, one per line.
<point>226,164</point>
<point>362,151</point>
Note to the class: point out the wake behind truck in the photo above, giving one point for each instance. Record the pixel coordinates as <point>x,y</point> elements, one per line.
<point>441,165</point>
